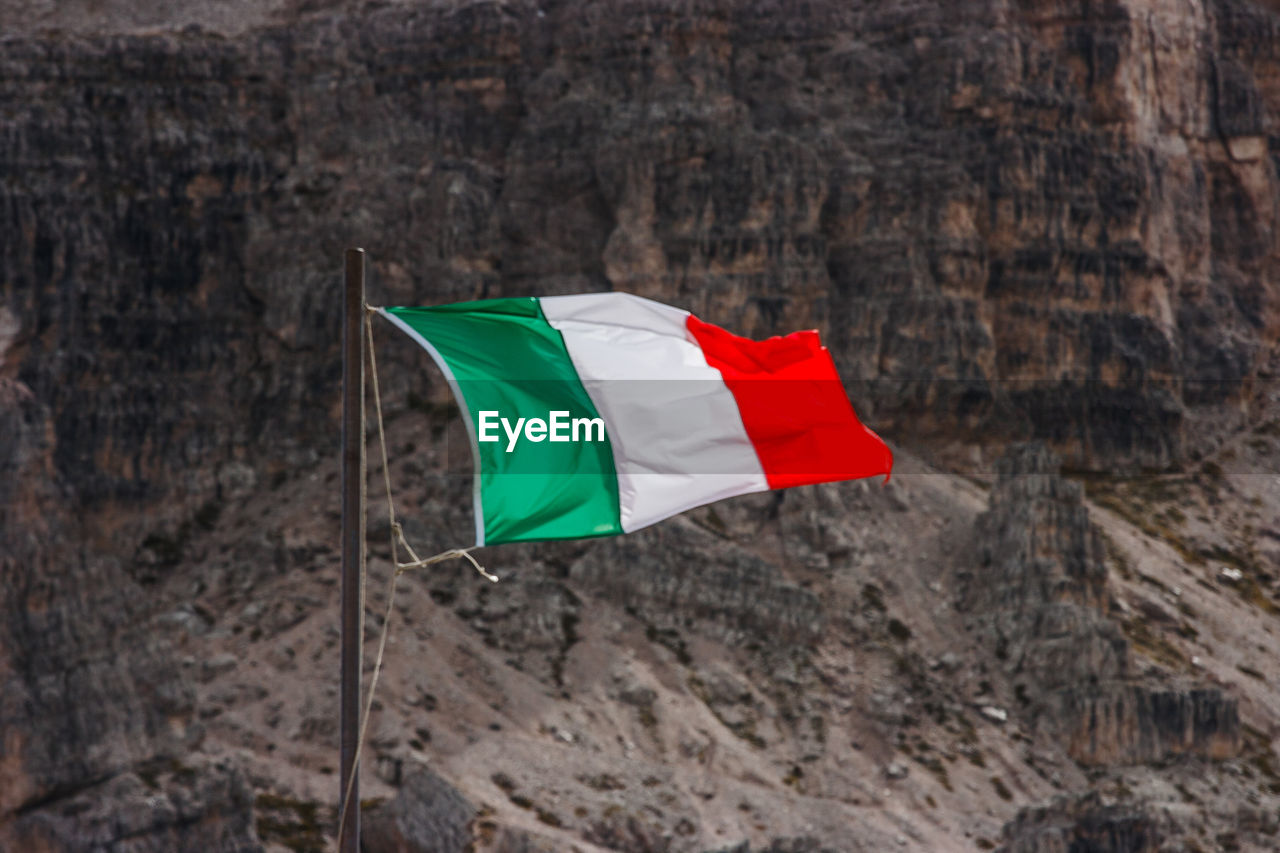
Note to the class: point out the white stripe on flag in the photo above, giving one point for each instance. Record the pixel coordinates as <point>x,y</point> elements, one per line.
<point>678,439</point>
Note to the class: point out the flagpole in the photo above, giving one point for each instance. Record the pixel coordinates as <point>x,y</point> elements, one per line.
<point>353,502</point>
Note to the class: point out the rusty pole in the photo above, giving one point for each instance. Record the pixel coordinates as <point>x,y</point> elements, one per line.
<point>353,503</point>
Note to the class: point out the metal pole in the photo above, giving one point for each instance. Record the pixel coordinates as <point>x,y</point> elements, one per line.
<point>353,495</point>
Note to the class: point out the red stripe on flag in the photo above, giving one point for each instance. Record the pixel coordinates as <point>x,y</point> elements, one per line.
<point>794,407</point>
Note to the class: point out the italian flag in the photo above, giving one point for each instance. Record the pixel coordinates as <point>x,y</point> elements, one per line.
<point>600,414</point>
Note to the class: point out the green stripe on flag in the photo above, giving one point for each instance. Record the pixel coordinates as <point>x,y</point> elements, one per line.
<point>504,357</point>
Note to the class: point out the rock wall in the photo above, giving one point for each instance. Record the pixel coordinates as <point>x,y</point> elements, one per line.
<point>1040,602</point>
<point>1007,220</point>
<point>1129,724</point>
<point>1084,824</point>
<point>1041,219</point>
<point>1040,589</point>
<point>92,699</point>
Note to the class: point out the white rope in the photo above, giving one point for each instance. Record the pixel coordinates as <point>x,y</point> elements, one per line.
<point>416,562</point>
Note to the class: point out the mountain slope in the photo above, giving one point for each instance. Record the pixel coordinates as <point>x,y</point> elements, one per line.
<point>1044,221</point>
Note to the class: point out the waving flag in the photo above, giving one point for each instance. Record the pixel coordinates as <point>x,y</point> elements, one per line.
<point>603,413</point>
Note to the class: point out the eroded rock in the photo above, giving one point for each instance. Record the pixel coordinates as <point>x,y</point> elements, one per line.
<point>1085,823</point>
<point>1039,600</point>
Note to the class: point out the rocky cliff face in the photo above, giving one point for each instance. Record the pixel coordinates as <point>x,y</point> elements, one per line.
<point>1092,253</point>
<point>1040,586</point>
<point>1040,592</point>
<point>1048,220</point>
<point>1087,824</point>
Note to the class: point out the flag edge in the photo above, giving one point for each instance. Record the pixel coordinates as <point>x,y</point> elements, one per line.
<point>461,400</point>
